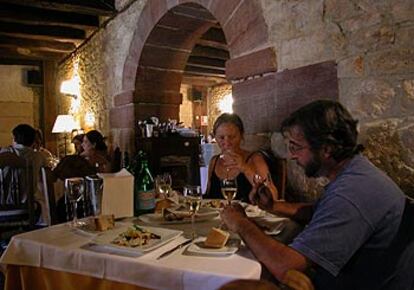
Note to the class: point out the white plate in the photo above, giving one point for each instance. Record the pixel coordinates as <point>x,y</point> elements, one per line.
<point>272,225</point>
<point>106,238</point>
<point>198,248</point>
<point>157,218</point>
<point>89,228</point>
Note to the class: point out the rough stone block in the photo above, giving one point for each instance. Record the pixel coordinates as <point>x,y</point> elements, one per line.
<point>222,10</point>
<point>149,79</point>
<point>122,117</point>
<point>259,62</point>
<point>123,98</point>
<point>163,112</point>
<point>250,40</point>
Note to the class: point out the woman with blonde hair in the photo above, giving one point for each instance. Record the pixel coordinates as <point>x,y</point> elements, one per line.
<point>234,162</point>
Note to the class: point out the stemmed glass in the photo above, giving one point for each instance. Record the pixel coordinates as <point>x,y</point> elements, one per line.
<point>193,197</point>
<point>74,189</point>
<point>163,185</point>
<point>229,189</point>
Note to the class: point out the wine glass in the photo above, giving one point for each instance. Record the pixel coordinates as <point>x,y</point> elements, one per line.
<point>229,189</point>
<point>193,196</point>
<point>163,185</point>
<point>74,190</point>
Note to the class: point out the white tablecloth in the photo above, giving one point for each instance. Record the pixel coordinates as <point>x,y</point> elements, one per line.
<point>62,248</point>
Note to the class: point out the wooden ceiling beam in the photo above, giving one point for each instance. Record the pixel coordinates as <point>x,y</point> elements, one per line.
<point>213,44</point>
<point>36,16</point>
<point>189,69</point>
<point>206,62</point>
<point>34,44</point>
<point>22,53</point>
<point>42,31</point>
<point>90,7</point>
<point>206,51</point>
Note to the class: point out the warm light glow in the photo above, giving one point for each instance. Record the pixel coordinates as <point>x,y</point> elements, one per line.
<point>65,124</point>
<point>71,86</point>
<point>90,119</point>
<point>226,104</point>
<point>75,104</point>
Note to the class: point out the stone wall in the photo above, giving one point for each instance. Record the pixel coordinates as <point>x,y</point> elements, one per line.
<point>101,61</point>
<point>370,43</point>
<point>215,94</point>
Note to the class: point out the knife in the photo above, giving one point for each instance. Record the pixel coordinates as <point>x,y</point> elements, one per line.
<point>169,252</point>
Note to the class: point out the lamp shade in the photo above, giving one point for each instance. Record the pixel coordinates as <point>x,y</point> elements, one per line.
<point>64,124</point>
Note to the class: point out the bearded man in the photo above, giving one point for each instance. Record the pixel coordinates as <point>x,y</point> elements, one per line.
<point>353,229</point>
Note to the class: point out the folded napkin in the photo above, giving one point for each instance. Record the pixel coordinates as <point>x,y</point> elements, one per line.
<point>118,193</point>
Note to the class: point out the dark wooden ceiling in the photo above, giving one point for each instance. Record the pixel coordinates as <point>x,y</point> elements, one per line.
<point>38,30</point>
<point>48,30</point>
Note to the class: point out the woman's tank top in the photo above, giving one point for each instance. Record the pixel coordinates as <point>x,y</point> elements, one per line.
<point>243,185</point>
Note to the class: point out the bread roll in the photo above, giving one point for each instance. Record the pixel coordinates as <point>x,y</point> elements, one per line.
<point>104,222</point>
<point>216,238</point>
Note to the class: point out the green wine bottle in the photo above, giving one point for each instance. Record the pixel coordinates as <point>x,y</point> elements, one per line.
<point>144,195</point>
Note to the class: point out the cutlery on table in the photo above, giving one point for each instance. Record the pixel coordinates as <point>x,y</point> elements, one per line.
<point>169,252</point>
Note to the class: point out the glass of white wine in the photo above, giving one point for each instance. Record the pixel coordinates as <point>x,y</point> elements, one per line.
<point>193,197</point>
<point>163,184</point>
<point>229,189</point>
<point>74,190</point>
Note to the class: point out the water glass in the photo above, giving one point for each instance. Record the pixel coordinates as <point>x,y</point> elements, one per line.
<point>163,184</point>
<point>193,197</point>
<point>74,191</point>
<point>94,189</point>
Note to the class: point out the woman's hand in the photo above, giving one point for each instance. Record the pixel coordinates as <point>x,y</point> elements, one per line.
<point>233,160</point>
<point>262,196</point>
<point>232,215</point>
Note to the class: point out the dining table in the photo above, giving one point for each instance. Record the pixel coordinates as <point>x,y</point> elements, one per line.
<point>66,257</point>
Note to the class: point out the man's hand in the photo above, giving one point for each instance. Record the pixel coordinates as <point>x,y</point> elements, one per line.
<point>232,215</point>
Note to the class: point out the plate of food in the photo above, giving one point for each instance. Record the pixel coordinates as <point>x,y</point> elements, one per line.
<point>217,243</point>
<point>178,215</point>
<point>138,239</point>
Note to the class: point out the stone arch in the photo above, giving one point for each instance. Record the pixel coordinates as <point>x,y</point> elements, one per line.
<point>246,33</point>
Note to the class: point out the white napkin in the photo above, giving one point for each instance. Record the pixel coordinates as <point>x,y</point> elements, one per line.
<point>118,193</point>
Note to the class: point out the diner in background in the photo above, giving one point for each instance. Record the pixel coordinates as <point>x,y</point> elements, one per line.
<point>77,142</point>
<point>233,161</point>
<point>95,151</point>
<point>351,228</point>
<point>38,147</point>
<point>24,142</point>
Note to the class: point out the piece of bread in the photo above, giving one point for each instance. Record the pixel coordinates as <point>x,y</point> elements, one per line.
<point>162,204</point>
<point>216,238</point>
<point>104,222</point>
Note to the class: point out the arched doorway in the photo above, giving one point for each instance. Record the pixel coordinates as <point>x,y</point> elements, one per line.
<point>163,43</point>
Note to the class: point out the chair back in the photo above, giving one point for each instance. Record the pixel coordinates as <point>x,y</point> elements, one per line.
<point>278,171</point>
<point>399,258</point>
<point>49,194</point>
<point>16,191</point>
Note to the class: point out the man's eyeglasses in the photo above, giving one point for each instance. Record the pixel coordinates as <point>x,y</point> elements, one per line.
<point>295,148</point>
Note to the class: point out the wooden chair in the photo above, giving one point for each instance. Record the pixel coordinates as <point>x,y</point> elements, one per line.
<point>49,194</point>
<point>296,280</point>
<point>247,284</point>
<point>16,192</point>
